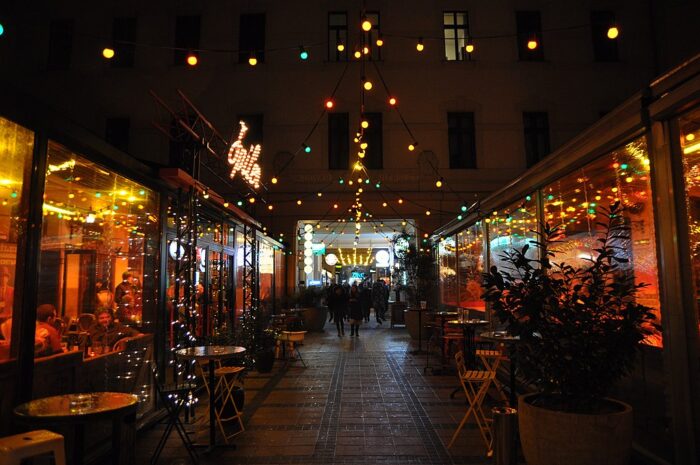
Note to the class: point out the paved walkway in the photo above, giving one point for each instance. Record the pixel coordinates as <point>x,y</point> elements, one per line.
<point>360,401</point>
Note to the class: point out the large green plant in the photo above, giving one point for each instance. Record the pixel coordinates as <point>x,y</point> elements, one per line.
<point>579,327</point>
<point>418,266</point>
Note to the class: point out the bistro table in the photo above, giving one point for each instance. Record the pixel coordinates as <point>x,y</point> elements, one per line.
<point>443,316</point>
<point>210,354</point>
<point>508,339</point>
<point>79,409</point>
<point>468,330</point>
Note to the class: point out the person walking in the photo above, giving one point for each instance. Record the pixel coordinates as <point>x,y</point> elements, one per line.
<point>338,305</point>
<point>379,300</point>
<point>355,311</point>
<point>365,300</point>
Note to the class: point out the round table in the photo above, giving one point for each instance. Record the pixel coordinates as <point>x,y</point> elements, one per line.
<point>508,339</point>
<point>78,409</point>
<point>468,329</point>
<point>210,354</point>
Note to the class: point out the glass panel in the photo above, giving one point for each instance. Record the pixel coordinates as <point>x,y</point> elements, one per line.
<point>266,266</point>
<point>16,146</point>
<point>448,271</point>
<point>513,227</point>
<point>280,278</point>
<point>690,146</point>
<point>448,19</point>
<point>621,175</point>
<point>470,267</point>
<point>99,242</point>
<point>240,265</point>
<point>461,18</point>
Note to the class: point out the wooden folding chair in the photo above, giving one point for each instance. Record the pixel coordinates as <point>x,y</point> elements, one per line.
<point>491,360</point>
<point>475,384</point>
<point>226,379</point>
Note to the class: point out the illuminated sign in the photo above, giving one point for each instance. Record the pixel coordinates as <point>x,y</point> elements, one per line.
<point>245,161</point>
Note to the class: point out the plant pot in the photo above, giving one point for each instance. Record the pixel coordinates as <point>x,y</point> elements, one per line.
<point>414,318</point>
<point>264,360</point>
<point>551,437</point>
<point>314,318</point>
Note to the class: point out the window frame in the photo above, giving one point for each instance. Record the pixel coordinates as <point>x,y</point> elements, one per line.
<point>456,28</point>
<point>333,53</point>
<point>464,137</point>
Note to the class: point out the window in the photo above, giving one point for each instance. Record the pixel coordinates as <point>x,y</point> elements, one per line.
<point>447,279</point>
<point>529,28</point>
<point>187,30</point>
<point>470,267</point>
<point>373,34</point>
<point>16,146</point>
<point>373,137</point>
<point>337,34</point>
<point>461,137</point>
<point>255,128</point>
<point>455,25</point>
<point>338,141</point>
<point>124,38</point>
<point>117,133</point>
<point>536,126</point>
<point>60,43</point>
<point>251,37</point>
<point>604,49</point>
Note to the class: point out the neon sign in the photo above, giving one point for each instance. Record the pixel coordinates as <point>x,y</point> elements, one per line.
<point>245,161</point>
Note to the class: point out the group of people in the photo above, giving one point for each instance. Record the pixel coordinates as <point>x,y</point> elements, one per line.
<point>355,302</point>
<point>125,300</point>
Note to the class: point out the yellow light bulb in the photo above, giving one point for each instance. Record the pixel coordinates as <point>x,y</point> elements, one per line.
<point>364,124</point>
<point>251,200</point>
<point>383,204</point>
<point>108,53</point>
<point>365,50</point>
<point>419,46</point>
<point>392,101</point>
<point>469,48</point>
<point>613,32</point>
<point>270,207</point>
<point>252,61</point>
<point>192,60</point>
<point>357,54</point>
<point>400,200</point>
<point>368,85</point>
<point>274,180</point>
<point>380,42</point>
<point>299,202</point>
<point>361,154</point>
<point>411,147</point>
<point>226,204</point>
<point>363,145</point>
<point>532,44</point>
<point>366,25</point>
<point>340,47</point>
<point>438,183</point>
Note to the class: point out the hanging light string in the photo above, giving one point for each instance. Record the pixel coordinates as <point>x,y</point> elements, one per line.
<point>395,106</point>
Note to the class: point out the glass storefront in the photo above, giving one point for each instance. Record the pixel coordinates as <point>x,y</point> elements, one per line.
<point>447,257</point>
<point>99,242</point>
<point>16,146</point>
<point>266,267</point>
<point>513,228</point>
<point>470,266</point>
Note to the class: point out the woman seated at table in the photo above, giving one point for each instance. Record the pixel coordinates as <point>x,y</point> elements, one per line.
<point>107,332</point>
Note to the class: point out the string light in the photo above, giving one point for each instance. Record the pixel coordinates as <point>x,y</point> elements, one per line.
<point>274,180</point>
<point>366,25</point>
<point>270,207</point>
<point>306,148</point>
<point>367,85</point>
<point>470,46</point>
<point>419,46</point>
<point>365,50</point>
<point>532,43</point>
<point>2,29</point>
<point>613,32</point>
<point>226,204</point>
<point>364,124</point>
<point>303,54</point>
<point>427,212</point>
<point>252,61</point>
<point>400,200</point>
<point>192,59</point>
<point>340,47</point>
<point>412,147</point>
<point>392,101</point>
<point>299,202</point>
<point>380,41</point>
<point>438,183</point>
<point>329,104</point>
<point>108,53</point>
<point>251,199</point>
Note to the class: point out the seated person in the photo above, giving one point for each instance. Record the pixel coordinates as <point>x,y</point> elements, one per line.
<point>106,332</point>
<point>47,339</point>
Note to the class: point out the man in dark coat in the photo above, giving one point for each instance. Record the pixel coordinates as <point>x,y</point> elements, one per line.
<point>338,305</point>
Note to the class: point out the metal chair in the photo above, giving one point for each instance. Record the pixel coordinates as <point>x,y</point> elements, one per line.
<point>475,384</point>
<point>174,397</point>
<point>491,359</point>
<point>14,450</point>
<point>291,340</point>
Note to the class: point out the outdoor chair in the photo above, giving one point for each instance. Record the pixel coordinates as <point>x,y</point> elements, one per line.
<point>227,379</point>
<point>174,397</point>
<point>491,359</point>
<point>290,341</point>
<point>475,383</point>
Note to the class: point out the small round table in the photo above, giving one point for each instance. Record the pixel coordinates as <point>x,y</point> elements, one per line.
<point>468,329</point>
<point>508,339</point>
<point>79,409</point>
<point>210,354</point>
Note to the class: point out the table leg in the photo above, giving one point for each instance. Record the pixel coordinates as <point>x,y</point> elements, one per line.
<point>123,451</point>
<point>513,397</point>
<point>469,350</point>
<point>212,407</point>
<point>79,446</point>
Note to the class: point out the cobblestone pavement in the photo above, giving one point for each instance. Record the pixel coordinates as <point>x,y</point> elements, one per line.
<point>360,400</point>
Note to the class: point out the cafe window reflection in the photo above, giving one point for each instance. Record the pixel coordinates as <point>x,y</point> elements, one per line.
<point>99,243</point>
<point>16,146</point>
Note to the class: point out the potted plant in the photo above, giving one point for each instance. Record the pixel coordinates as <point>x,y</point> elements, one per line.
<point>314,314</point>
<point>579,328</point>
<point>259,340</point>
<point>417,271</point>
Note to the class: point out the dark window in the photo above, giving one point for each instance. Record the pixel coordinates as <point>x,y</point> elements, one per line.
<point>124,39</point>
<point>60,43</point>
<point>373,137</point>
<point>251,37</point>
<point>187,29</point>
<point>529,28</point>
<point>455,25</point>
<point>117,133</point>
<point>536,126</point>
<point>338,141</point>
<point>337,34</point>
<point>604,49</point>
<point>375,52</point>
<point>461,137</point>
<point>255,128</point>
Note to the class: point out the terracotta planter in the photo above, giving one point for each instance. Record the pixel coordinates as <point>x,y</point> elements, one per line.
<point>551,437</point>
